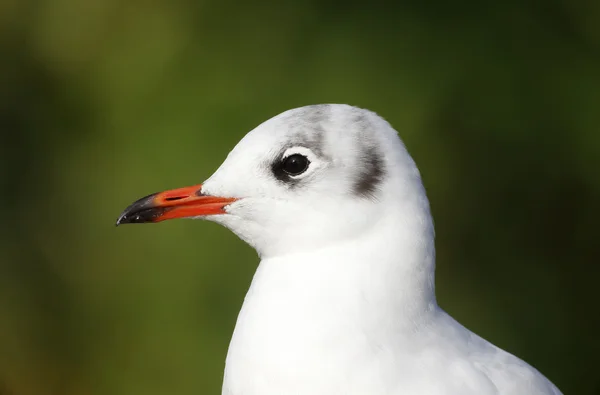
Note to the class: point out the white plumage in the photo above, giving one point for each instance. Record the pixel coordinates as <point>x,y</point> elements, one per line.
<point>343,301</point>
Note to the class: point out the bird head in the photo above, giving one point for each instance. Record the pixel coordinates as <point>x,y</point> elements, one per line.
<point>306,178</point>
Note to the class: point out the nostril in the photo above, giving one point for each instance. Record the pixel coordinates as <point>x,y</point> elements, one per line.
<point>170,199</point>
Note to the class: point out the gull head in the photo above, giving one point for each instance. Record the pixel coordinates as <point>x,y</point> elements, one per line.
<point>307,178</point>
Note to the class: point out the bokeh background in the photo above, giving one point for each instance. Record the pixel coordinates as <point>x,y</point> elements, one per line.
<point>104,101</point>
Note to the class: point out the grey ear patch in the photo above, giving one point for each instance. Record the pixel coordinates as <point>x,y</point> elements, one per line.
<point>371,174</point>
<point>370,161</point>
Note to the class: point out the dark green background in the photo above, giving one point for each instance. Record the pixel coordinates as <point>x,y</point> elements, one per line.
<point>104,101</point>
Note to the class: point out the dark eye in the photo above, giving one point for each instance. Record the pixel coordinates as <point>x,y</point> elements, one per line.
<point>295,164</point>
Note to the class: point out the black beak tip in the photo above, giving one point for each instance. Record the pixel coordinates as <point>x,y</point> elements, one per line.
<point>121,220</point>
<point>140,211</point>
<point>126,218</point>
<point>140,217</point>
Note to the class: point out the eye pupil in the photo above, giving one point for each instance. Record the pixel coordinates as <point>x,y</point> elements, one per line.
<point>295,164</point>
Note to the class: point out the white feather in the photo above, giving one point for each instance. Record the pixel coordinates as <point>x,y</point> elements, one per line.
<point>343,301</point>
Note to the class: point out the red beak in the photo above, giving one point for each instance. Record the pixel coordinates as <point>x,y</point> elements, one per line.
<point>176,203</point>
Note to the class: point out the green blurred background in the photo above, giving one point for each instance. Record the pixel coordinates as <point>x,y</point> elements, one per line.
<point>104,101</point>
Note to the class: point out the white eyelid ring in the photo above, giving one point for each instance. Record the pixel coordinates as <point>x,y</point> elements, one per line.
<point>299,150</point>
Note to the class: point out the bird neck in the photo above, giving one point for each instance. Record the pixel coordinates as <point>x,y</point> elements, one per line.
<point>306,312</point>
<point>387,274</point>
<point>382,279</point>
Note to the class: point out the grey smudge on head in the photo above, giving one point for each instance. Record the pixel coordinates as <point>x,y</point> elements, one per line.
<point>370,164</point>
<point>370,174</point>
<point>307,129</point>
<point>307,126</point>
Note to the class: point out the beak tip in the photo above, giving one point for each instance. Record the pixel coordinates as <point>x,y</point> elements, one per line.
<point>121,219</point>
<point>140,211</point>
<point>145,215</point>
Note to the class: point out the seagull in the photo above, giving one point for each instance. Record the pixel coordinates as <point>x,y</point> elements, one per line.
<point>343,300</point>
